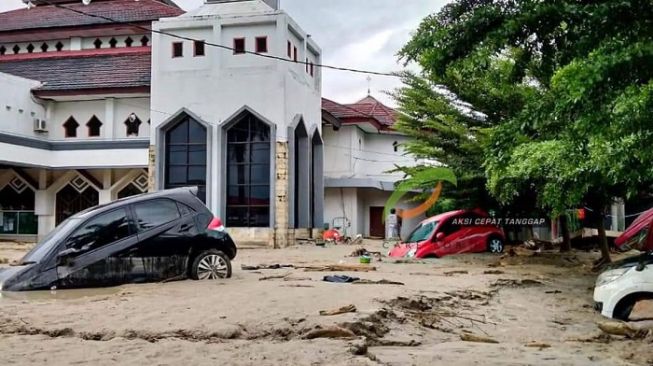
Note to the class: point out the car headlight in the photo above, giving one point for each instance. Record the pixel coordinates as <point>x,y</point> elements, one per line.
<point>610,276</point>
<point>411,253</point>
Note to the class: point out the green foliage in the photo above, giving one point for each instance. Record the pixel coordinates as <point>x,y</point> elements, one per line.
<point>565,87</point>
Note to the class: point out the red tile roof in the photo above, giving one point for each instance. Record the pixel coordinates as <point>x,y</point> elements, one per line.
<point>49,16</point>
<point>369,105</point>
<point>365,110</point>
<point>129,69</point>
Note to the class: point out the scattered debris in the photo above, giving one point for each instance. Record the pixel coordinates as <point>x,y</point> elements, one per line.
<point>540,345</point>
<point>340,279</point>
<point>628,330</point>
<point>359,252</point>
<point>379,282</point>
<point>265,266</point>
<point>339,268</point>
<point>290,278</point>
<point>505,282</point>
<point>297,285</point>
<point>345,309</point>
<point>493,272</point>
<point>452,273</point>
<point>330,332</point>
<point>469,337</point>
<point>277,277</point>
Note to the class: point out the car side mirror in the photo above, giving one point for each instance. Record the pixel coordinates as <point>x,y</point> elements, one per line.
<point>63,257</point>
<point>439,236</point>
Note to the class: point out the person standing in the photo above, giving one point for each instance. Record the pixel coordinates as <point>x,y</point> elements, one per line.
<point>392,225</point>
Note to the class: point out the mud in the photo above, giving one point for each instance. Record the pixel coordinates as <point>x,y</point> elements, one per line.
<point>245,321</point>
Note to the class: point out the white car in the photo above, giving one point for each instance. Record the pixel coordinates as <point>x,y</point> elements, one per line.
<point>622,285</point>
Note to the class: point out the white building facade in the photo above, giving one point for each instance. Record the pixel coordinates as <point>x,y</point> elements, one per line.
<point>92,111</point>
<point>360,158</point>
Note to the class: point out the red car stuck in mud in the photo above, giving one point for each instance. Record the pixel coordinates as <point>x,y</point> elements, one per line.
<point>452,233</point>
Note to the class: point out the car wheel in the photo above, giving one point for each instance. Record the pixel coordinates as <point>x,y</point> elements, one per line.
<point>211,265</point>
<point>495,245</point>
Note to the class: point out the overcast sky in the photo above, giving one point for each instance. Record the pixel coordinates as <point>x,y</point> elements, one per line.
<point>362,34</point>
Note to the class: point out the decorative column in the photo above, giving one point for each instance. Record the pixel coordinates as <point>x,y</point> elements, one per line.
<point>282,233</point>
<point>151,170</point>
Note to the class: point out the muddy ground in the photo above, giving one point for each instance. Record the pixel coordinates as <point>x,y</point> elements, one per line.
<point>538,310</point>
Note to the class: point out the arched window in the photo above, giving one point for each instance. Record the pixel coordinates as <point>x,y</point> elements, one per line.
<point>185,161</point>
<point>73,198</point>
<point>44,47</point>
<point>248,173</point>
<point>133,123</point>
<point>70,127</point>
<point>97,43</point>
<point>59,46</point>
<point>144,41</point>
<point>113,42</point>
<point>17,209</point>
<point>302,177</point>
<point>94,125</point>
<point>130,190</point>
<point>128,42</point>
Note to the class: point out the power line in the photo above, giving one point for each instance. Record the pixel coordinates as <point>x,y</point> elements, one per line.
<point>217,45</point>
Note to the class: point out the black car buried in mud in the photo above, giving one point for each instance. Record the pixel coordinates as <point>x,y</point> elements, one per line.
<point>151,237</point>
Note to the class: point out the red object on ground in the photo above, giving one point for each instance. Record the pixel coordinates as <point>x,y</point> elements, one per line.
<point>451,233</point>
<point>639,235</point>
<point>331,234</point>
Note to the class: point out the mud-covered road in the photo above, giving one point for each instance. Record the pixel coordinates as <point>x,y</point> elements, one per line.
<point>537,310</point>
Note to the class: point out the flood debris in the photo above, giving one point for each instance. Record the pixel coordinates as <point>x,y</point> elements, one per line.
<point>340,279</point>
<point>632,330</point>
<point>505,282</point>
<point>379,282</point>
<point>470,337</point>
<point>453,273</point>
<point>245,267</point>
<point>276,277</point>
<point>493,272</point>
<point>330,332</point>
<point>540,345</point>
<point>339,268</point>
<point>351,308</point>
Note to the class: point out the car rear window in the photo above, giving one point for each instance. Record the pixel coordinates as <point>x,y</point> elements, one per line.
<point>155,213</point>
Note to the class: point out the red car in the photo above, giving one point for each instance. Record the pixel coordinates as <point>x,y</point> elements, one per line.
<point>452,233</point>
<point>639,235</point>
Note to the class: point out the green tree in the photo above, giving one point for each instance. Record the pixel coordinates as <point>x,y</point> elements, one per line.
<point>565,87</point>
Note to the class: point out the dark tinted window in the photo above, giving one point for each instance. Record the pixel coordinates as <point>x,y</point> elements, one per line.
<point>186,156</point>
<point>248,173</point>
<point>449,228</point>
<point>155,213</point>
<point>104,229</point>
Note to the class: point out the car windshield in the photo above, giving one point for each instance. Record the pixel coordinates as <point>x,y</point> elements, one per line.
<point>422,232</point>
<point>50,241</point>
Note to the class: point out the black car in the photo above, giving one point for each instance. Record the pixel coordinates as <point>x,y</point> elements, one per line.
<point>151,237</point>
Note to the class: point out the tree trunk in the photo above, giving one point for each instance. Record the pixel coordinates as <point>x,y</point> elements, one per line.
<point>603,239</point>
<point>565,246</point>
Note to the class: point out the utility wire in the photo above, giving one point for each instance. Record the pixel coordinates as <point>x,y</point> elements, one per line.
<point>138,26</point>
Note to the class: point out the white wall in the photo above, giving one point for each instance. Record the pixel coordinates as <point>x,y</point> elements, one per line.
<point>28,156</point>
<point>216,86</point>
<point>112,112</point>
<point>352,153</point>
<point>17,109</point>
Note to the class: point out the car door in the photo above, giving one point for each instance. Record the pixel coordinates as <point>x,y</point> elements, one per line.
<point>473,235</point>
<point>90,254</point>
<point>452,236</point>
<point>165,235</point>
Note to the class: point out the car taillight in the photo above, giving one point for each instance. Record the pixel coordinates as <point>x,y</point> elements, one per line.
<point>216,225</point>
